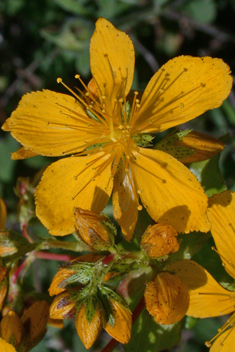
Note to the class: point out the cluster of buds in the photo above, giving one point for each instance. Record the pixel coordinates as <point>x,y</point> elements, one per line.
<point>97,231</point>
<point>25,332</point>
<point>81,294</point>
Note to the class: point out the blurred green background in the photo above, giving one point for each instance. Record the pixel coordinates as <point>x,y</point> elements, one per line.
<point>41,40</point>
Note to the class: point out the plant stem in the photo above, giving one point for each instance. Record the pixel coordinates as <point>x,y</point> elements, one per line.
<point>26,233</point>
<point>17,272</point>
<point>53,256</point>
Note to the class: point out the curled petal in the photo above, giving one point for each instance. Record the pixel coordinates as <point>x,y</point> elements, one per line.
<point>22,153</point>
<point>169,191</point>
<point>221,213</point>
<point>69,183</point>
<point>125,202</point>
<point>183,88</point>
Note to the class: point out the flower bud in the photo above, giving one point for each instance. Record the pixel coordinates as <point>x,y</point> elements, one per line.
<point>3,214</point>
<point>89,325</point>
<point>63,306</point>
<point>12,328</point>
<point>93,89</point>
<point>204,146</point>
<point>167,298</point>
<point>35,319</point>
<point>9,242</point>
<point>3,291</point>
<point>159,240</point>
<point>58,279</point>
<point>95,230</point>
<point>121,329</point>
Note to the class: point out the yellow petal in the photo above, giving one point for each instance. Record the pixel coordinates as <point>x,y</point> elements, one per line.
<point>88,332</point>
<point>125,203</point>
<point>225,342</point>
<point>3,214</point>
<point>121,331</point>
<point>70,183</point>
<point>169,191</point>
<point>183,89</point>
<point>203,145</point>
<point>50,123</point>
<point>222,216</point>
<point>112,59</point>
<point>6,347</point>
<point>207,297</point>
<point>22,153</point>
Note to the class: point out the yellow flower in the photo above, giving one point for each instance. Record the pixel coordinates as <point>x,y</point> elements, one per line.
<point>6,347</point>
<point>207,297</point>
<point>105,134</point>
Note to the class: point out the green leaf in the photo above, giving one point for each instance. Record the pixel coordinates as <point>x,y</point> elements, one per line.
<point>190,244</point>
<point>148,336</point>
<point>7,145</point>
<point>201,10</point>
<point>78,7</point>
<point>208,173</point>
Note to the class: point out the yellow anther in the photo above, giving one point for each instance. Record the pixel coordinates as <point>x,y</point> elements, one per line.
<point>137,105</point>
<point>103,97</point>
<point>140,207</point>
<point>128,157</point>
<point>137,101</point>
<point>136,93</point>
<point>121,127</point>
<point>59,80</point>
<point>103,110</point>
<point>77,76</point>
<point>139,191</point>
<point>87,94</point>
<point>120,100</point>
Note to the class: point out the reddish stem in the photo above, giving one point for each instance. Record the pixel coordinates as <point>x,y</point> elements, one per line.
<point>137,311</point>
<point>54,256</point>
<point>17,272</point>
<point>25,232</point>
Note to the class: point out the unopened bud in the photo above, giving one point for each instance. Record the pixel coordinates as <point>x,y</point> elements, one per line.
<point>204,146</point>
<point>167,298</point>
<point>12,328</point>
<point>92,87</point>
<point>63,306</point>
<point>95,230</point>
<point>120,330</point>
<point>35,319</point>
<point>159,240</point>
<point>3,291</point>
<point>3,214</point>
<point>58,279</point>
<point>89,321</point>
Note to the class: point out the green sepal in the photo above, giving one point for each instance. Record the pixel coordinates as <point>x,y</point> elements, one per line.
<point>83,275</point>
<point>105,294</point>
<point>143,140</point>
<point>92,303</point>
<point>167,145</point>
